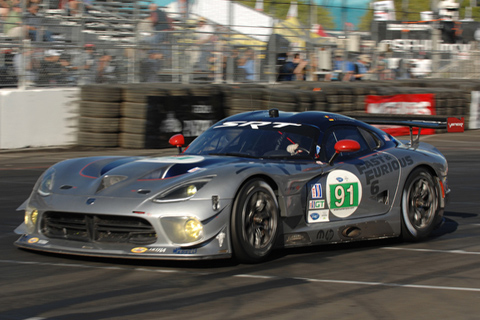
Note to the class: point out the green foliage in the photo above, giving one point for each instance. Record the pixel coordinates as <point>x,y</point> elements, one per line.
<point>279,9</point>
<point>413,12</point>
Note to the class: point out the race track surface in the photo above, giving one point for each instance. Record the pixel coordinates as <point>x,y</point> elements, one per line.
<point>435,279</point>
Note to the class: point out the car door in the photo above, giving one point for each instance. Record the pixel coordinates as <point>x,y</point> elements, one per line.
<point>358,184</point>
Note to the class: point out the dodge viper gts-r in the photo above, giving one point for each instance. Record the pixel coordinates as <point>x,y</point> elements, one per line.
<point>251,183</point>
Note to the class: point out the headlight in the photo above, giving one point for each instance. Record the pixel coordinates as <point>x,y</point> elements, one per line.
<point>46,185</point>
<point>31,217</point>
<point>182,230</point>
<point>182,192</point>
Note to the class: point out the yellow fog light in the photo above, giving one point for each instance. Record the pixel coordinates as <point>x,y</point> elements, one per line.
<point>31,220</point>
<point>183,230</point>
<point>191,190</point>
<point>193,229</point>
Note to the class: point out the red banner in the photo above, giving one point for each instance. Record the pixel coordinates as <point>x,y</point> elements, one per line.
<point>415,104</point>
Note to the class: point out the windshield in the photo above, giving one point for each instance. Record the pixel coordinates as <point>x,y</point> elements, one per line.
<point>257,140</point>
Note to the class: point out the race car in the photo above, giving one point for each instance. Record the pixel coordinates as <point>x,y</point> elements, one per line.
<point>251,183</point>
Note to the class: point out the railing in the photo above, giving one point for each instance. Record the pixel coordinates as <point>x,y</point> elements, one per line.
<point>109,45</point>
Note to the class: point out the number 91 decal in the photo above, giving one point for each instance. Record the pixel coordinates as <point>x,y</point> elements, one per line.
<point>344,193</point>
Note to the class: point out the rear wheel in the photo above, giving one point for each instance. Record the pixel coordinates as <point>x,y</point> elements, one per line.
<point>420,205</point>
<point>254,222</point>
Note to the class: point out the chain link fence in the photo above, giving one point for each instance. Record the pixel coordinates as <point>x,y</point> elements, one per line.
<point>115,42</point>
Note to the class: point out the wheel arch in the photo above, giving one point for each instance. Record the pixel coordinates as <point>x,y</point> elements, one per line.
<point>430,169</point>
<point>272,183</point>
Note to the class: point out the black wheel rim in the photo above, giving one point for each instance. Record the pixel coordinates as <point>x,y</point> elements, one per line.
<point>259,219</point>
<point>422,203</point>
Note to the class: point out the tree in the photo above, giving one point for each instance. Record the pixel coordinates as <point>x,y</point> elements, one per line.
<point>413,12</point>
<point>279,9</point>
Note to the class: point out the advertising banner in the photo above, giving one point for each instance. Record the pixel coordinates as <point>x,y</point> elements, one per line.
<point>415,104</point>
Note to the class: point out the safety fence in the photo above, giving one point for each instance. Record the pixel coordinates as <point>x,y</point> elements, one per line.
<point>145,116</point>
<point>113,42</point>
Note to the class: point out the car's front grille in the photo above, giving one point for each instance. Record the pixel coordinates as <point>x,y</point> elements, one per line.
<point>97,228</point>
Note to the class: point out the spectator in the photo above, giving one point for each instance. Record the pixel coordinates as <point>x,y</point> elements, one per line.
<point>13,24</point>
<point>382,72</point>
<point>50,68</point>
<point>361,67</point>
<point>160,23</point>
<point>286,71</point>
<point>5,6</point>
<point>342,69</point>
<point>86,64</point>
<point>66,77</point>
<point>150,67</point>
<point>404,70</point>
<point>108,70</point>
<point>300,67</point>
<point>77,7</point>
<point>27,64</point>
<point>205,38</point>
<point>34,24</point>
<point>8,77</point>
<point>230,65</point>
<point>247,63</point>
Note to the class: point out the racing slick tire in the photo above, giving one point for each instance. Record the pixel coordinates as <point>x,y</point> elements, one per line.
<point>420,205</point>
<point>254,222</point>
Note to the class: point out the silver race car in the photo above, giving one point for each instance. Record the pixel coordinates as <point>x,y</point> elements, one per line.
<point>251,183</point>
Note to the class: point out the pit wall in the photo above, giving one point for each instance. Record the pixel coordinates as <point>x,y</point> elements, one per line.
<point>145,115</point>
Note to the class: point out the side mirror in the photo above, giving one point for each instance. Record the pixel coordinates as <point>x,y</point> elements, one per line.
<point>345,145</point>
<point>177,141</point>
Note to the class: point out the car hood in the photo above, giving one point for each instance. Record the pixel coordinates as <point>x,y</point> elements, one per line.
<point>132,176</point>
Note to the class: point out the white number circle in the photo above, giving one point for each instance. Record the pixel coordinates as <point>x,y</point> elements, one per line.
<point>344,193</point>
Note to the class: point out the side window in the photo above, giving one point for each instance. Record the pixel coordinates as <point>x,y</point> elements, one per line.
<point>373,141</point>
<point>338,133</point>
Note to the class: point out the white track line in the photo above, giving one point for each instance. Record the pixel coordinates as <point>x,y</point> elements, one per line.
<point>433,250</point>
<point>253,276</point>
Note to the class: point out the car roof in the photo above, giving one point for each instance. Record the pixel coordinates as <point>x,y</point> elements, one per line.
<point>319,119</point>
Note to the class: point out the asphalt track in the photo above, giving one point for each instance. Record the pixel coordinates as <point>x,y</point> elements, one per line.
<point>435,279</point>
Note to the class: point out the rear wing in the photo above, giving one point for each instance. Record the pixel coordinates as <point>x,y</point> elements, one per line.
<point>451,124</point>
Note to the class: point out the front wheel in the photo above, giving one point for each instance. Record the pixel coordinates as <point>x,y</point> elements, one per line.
<point>254,222</point>
<point>420,205</point>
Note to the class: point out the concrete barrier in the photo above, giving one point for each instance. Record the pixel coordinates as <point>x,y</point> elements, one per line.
<point>53,117</point>
<point>38,118</point>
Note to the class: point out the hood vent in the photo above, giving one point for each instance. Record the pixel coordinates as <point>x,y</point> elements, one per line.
<point>108,181</point>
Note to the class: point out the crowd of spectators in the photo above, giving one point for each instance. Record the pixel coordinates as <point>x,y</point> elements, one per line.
<point>208,52</point>
<point>364,69</point>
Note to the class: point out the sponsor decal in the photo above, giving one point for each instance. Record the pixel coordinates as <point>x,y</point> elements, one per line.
<point>157,250</point>
<point>402,45</point>
<point>139,250</point>
<point>316,204</point>
<point>343,198</point>
<point>33,240</point>
<point>196,169</point>
<point>184,251</point>
<point>455,124</point>
<point>257,124</point>
<point>380,165</point>
<point>325,235</point>
<point>318,216</point>
<point>317,191</point>
<point>174,159</point>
